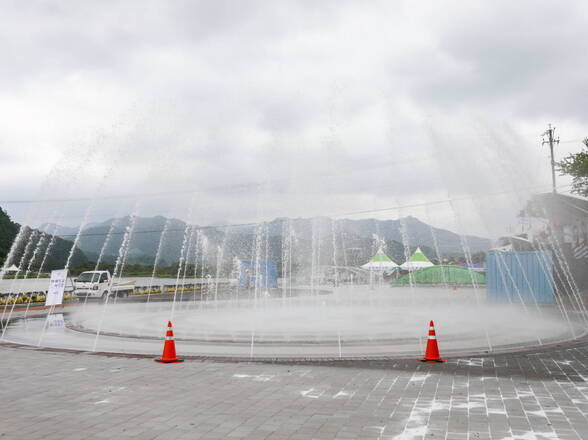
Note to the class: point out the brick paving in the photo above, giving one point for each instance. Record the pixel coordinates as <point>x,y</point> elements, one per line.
<point>47,395</point>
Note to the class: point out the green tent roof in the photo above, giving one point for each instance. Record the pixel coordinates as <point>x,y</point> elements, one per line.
<point>419,256</point>
<point>380,261</point>
<point>442,275</point>
<point>380,256</point>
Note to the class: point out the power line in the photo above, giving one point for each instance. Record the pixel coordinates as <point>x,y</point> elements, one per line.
<point>333,215</point>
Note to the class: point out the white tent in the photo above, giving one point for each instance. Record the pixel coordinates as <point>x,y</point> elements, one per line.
<point>380,262</point>
<point>418,260</point>
<point>11,269</point>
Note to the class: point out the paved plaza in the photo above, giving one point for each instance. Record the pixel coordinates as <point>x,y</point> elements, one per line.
<point>46,395</point>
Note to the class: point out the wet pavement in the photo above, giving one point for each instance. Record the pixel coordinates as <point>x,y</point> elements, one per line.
<point>46,395</point>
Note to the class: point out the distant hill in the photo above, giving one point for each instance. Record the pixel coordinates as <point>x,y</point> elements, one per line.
<point>106,239</point>
<point>34,239</point>
<point>353,242</point>
<point>418,233</point>
<point>60,230</point>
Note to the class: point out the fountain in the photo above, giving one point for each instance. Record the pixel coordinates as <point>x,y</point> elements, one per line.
<point>307,316</point>
<point>321,304</point>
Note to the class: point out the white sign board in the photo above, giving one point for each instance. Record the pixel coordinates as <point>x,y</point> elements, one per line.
<point>56,287</point>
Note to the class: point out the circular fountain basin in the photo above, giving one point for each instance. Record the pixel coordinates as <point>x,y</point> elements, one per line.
<point>349,323</point>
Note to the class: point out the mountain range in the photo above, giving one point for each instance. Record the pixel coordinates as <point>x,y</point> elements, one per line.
<point>345,241</point>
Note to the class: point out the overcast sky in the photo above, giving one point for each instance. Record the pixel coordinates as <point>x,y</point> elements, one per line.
<point>271,108</point>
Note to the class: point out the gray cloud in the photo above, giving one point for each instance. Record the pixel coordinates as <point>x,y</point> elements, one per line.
<point>283,108</point>
<point>524,57</point>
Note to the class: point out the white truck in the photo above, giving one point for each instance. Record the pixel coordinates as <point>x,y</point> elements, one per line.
<point>96,284</point>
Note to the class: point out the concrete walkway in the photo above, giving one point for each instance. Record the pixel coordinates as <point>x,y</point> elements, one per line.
<point>82,396</point>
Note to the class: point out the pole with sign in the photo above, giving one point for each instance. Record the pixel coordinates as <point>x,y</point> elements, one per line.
<point>56,287</point>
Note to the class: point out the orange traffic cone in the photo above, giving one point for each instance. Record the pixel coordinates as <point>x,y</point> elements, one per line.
<point>169,348</point>
<point>432,353</point>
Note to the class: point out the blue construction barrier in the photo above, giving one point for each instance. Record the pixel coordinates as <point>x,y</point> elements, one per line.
<point>520,277</point>
<point>266,276</point>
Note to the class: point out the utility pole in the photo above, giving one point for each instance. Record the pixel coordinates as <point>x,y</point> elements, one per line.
<point>551,140</point>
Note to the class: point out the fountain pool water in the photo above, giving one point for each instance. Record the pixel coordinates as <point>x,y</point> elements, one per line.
<point>349,323</point>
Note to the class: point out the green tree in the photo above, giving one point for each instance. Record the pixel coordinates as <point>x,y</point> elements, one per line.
<point>56,257</point>
<point>576,165</point>
<point>8,231</point>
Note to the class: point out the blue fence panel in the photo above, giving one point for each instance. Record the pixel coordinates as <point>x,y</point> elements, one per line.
<point>267,277</point>
<point>520,277</point>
